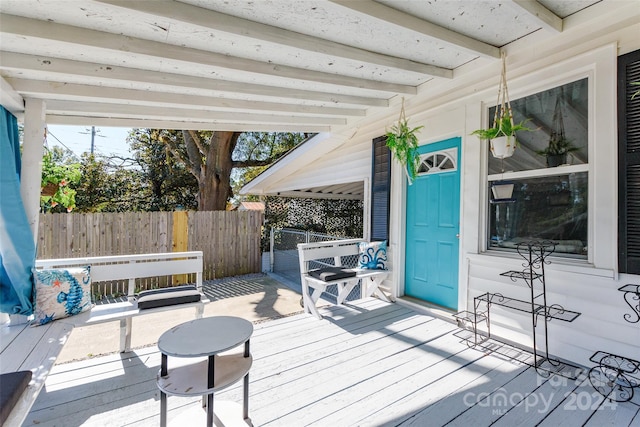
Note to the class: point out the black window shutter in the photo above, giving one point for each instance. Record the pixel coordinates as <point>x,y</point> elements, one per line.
<point>629,163</point>
<point>380,189</point>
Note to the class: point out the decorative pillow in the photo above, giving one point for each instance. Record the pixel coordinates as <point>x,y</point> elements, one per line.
<point>61,293</point>
<point>373,256</point>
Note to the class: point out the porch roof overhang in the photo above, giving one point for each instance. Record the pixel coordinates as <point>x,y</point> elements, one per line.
<point>309,66</point>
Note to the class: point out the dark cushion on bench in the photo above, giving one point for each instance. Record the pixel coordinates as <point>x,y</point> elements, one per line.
<point>12,384</point>
<point>329,274</point>
<point>168,296</point>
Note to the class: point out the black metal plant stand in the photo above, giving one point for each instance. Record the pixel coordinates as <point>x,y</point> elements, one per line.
<point>535,254</point>
<point>632,298</point>
<point>615,377</point>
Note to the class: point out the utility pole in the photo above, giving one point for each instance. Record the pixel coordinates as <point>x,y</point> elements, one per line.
<point>94,132</point>
<point>93,138</point>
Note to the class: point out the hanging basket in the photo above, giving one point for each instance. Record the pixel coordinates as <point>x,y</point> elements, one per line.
<point>403,143</point>
<point>49,189</point>
<point>503,146</point>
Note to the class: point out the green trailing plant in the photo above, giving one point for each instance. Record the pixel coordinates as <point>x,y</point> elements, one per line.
<point>558,147</point>
<point>57,178</point>
<point>502,126</point>
<point>403,144</point>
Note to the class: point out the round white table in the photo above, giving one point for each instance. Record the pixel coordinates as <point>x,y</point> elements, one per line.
<point>206,337</point>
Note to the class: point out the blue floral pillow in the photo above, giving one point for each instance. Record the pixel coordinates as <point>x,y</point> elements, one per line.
<point>373,256</point>
<point>61,293</point>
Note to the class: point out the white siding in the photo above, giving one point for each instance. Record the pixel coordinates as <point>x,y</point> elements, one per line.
<point>347,163</point>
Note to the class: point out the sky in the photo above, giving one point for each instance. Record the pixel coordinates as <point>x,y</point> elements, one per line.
<point>108,140</point>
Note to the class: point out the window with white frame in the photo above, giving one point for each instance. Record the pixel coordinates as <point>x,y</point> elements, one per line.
<point>541,191</point>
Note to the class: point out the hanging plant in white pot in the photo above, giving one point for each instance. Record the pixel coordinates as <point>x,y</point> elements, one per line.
<point>502,136</point>
<point>403,143</point>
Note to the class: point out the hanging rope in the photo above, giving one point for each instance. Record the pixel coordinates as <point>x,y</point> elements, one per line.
<point>557,126</point>
<point>402,115</point>
<point>503,106</point>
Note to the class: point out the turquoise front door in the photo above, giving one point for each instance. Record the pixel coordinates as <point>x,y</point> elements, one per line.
<point>433,226</point>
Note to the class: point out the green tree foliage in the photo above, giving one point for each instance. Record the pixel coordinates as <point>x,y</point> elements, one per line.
<point>61,172</point>
<point>167,184</point>
<point>260,146</point>
<point>211,157</point>
<point>92,194</point>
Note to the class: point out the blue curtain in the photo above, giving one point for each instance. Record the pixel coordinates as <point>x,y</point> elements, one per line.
<point>17,249</point>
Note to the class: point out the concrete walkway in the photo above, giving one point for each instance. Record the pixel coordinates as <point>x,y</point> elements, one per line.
<point>255,298</point>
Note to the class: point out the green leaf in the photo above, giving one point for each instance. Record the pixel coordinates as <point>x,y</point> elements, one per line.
<point>403,143</point>
<point>502,127</point>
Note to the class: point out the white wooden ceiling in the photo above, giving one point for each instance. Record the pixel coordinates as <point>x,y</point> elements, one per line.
<point>247,65</point>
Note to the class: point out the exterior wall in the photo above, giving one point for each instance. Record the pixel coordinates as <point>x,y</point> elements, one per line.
<point>589,287</point>
<point>587,47</point>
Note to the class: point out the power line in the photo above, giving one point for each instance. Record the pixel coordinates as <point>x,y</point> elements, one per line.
<point>62,143</point>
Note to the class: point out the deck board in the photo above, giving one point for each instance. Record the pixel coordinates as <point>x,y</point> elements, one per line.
<point>369,363</point>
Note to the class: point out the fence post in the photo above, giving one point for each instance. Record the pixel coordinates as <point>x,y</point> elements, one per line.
<point>180,240</point>
<point>131,290</point>
<point>271,253</point>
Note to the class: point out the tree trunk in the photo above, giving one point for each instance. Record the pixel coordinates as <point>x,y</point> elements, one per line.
<point>214,185</point>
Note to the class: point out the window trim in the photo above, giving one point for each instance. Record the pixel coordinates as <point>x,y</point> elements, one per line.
<point>599,64</point>
<point>560,170</point>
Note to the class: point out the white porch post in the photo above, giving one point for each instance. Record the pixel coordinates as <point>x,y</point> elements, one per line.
<point>32,151</point>
<point>366,210</point>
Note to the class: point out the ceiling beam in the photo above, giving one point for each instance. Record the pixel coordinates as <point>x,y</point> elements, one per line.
<point>143,112</point>
<point>347,188</point>
<point>405,20</point>
<point>10,99</point>
<point>100,72</point>
<point>71,91</point>
<point>81,120</point>
<point>92,39</point>
<point>547,19</point>
<point>217,21</point>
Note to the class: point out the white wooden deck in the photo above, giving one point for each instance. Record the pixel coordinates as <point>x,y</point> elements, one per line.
<point>369,364</point>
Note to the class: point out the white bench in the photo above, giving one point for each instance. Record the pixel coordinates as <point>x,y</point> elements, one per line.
<point>315,255</point>
<point>130,267</point>
<point>24,348</point>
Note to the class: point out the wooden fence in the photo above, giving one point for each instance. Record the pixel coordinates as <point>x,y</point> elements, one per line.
<point>230,241</point>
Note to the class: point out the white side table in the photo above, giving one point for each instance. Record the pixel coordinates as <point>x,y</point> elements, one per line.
<point>206,337</point>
